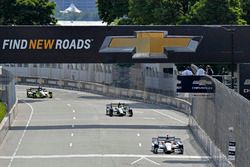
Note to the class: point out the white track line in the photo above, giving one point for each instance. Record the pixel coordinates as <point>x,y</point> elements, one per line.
<point>132,163</point>
<point>21,139</point>
<point>106,156</point>
<point>171,117</point>
<point>153,162</point>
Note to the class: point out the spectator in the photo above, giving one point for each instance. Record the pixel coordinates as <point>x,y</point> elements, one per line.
<point>223,71</point>
<point>209,70</point>
<point>187,72</point>
<point>200,71</point>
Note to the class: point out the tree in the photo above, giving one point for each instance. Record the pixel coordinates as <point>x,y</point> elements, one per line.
<point>109,10</point>
<point>246,10</point>
<point>216,12</point>
<point>35,12</point>
<point>7,11</point>
<point>143,12</point>
<point>27,12</point>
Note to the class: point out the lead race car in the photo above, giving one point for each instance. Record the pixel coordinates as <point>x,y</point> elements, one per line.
<point>38,93</point>
<point>119,109</point>
<point>166,144</point>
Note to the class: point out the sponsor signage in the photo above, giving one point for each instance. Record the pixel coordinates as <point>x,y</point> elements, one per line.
<point>122,44</point>
<point>194,86</point>
<point>150,44</point>
<point>231,150</point>
<point>244,80</point>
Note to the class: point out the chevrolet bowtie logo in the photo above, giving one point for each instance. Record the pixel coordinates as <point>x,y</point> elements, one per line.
<point>150,44</point>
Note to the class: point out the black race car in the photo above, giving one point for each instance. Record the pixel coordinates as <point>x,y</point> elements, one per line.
<point>118,109</point>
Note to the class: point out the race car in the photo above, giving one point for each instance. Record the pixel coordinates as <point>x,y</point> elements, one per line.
<point>167,145</point>
<point>38,93</point>
<point>118,109</point>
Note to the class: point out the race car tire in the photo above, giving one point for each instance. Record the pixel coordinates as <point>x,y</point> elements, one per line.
<point>130,113</point>
<point>155,151</point>
<point>110,113</point>
<point>50,95</point>
<point>182,151</point>
<point>34,95</point>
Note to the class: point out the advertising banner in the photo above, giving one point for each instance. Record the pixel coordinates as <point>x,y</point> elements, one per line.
<point>123,44</point>
<point>189,86</point>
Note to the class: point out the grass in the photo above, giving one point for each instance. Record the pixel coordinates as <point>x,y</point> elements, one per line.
<point>2,110</point>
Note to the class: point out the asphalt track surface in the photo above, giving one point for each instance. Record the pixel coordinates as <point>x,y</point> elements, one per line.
<point>72,130</point>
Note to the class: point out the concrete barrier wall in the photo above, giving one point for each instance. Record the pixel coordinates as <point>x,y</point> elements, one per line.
<point>216,154</point>
<point>7,121</point>
<point>176,103</point>
<point>215,116</point>
<point>8,96</point>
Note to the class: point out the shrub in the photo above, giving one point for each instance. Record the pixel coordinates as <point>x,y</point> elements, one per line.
<point>2,110</point>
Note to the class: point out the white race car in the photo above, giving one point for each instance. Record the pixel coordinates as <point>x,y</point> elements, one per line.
<point>168,145</point>
<point>119,109</point>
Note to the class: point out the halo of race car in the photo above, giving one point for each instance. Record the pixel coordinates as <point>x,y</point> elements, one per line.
<point>38,92</point>
<point>167,145</point>
<point>119,109</point>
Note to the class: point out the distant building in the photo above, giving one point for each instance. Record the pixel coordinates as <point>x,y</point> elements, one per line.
<point>83,5</point>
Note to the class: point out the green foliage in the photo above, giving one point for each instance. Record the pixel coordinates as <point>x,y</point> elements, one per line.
<point>174,12</point>
<point>213,12</point>
<point>144,12</point>
<point>7,11</point>
<point>109,10</point>
<point>246,10</point>
<point>2,110</point>
<point>35,12</point>
<point>27,12</point>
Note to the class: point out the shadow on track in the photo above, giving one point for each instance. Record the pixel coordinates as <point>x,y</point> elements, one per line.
<point>206,161</point>
<point>20,101</point>
<point>96,97</point>
<point>93,126</point>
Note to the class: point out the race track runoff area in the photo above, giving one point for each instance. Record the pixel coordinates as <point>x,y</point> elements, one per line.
<point>72,130</point>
